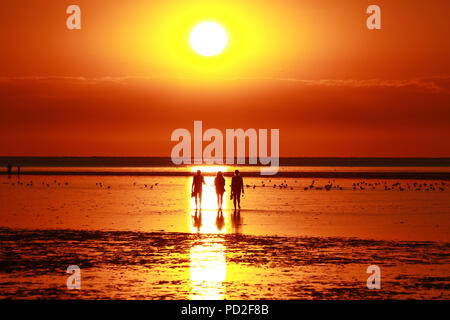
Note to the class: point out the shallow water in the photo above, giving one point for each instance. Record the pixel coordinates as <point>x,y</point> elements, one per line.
<point>138,204</point>
<point>132,241</point>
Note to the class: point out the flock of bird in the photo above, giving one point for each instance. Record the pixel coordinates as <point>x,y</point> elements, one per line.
<point>31,183</point>
<point>363,185</point>
<point>414,186</point>
<point>331,185</point>
<point>149,186</point>
<point>312,186</point>
<point>66,183</point>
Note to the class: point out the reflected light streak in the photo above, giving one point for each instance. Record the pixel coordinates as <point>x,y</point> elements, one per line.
<point>208,267</point>
<point>208,270</point>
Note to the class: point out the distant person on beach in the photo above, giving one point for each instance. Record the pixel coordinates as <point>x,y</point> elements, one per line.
<point>9,169</point>
<point>18,169</point>
<point>237,186</point>
<point>197,184</point>
<point>219,183</point>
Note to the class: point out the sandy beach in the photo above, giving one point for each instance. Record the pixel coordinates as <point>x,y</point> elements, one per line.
<point>140,238</point>
<point>133,265</point>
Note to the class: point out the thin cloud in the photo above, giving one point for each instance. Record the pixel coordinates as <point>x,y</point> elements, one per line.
<point>435,84</point>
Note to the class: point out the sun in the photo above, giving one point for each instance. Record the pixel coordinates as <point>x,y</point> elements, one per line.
<point>208,39</point>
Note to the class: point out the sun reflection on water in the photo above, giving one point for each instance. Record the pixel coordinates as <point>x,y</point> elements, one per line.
<point>208,270</point>
<point>208,267</point>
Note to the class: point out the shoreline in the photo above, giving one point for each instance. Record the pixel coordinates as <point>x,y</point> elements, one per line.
<point>96,161</point>
<point>327,174</point>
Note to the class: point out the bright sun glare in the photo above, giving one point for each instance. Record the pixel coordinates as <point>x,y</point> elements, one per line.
<point>208,39</point>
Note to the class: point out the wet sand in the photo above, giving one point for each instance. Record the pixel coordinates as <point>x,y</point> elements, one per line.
<point>132,265</point>
<point>141,239</point>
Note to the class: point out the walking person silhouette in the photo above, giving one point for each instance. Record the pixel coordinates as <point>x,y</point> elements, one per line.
<point>197,184</point>
<point>237,187</point>
<point>219,183</point>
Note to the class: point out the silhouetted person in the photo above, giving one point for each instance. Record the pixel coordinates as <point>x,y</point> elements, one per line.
<point>237,187</point>
<point>9,169</point>
<point>197,220</point>
<point>220,221</point>
<point>18,169</point>
<point>219,183</point>
<point>197,184</point>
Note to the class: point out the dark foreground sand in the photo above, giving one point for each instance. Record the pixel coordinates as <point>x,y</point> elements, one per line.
<point>135,265</point>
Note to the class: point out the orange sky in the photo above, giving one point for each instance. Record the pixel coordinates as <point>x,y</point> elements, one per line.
<point>127,79</point>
